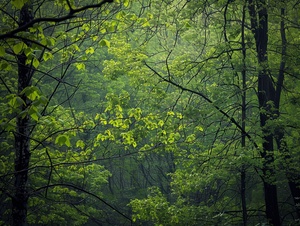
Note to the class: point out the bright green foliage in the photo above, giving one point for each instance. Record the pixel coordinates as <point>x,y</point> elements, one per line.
<point>139,104</point>
<point>201,54</point>
<point>62,171</point>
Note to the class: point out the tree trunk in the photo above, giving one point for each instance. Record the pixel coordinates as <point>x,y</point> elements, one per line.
<point>266,93</point>
<point>295,191</point>
<point>243,119</point>
<point>22,135</point>
<point>293,178</point>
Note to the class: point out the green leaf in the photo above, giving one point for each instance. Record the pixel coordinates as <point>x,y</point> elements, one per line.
<point>28,51</point>
<point>200,128</point>
<point>35,62</point>
<point>19,47</point>
<point>94,38</point>
<point>15,101</point>
<point>63,140</point>
<point>33,113</point>
<point>80,144</point>
<point>76,47</point>
<point>126,3</point>
<point>5,66</point>
<point>80,66</point>
<point>90,50</point>
<point>146,24</point>
<point>120,15</point>
<point>51,41</point>
<point>190,138</point>
<point>161,123</point>
<point>47,56</point>
<point>86,27</point>
<point>31,92</point>
<point>170,113</point>
<point>18,3</point>
<point>104,42</point>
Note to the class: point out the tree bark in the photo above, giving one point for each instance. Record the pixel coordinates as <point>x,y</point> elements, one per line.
<point>22,135</point>
<point>293,178</point>
<point>243,119</point>
<point>266,93</point>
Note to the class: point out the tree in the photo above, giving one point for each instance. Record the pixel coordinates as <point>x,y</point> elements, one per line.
<point>219,73</point>
<point>188,106</point>
<point>31,36</point>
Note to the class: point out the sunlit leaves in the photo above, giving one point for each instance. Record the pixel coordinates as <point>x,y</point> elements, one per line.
<point>120,15</point>
<point>63,140</point>
<point>140,112</point>
<point>128,138</point>
<point>52,48</point>
<point>199,128</point>
<point>90,50</point>
<point>80,144</point>
<point>29,52</point>
<point>47,56</point>
<point>170,113</point>
<point>35,62</point>
<point>17,48</point>
<point>33,112</point>
<point>15,101</point>
<point>32,92</point>
<point>135,112</point>
<point>153,208</point>
<point>144,22</point>
<point>18,3</point>
<point>191,138</point>
<point>47,41</point>
<point>104,42</point>
<point>107,135</point>
<point>80,66</point>
<point>95,37</point>
<point>86,27</point>
<point>126,3</point>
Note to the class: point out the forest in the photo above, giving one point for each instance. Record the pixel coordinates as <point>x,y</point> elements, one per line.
<point>150,112</point>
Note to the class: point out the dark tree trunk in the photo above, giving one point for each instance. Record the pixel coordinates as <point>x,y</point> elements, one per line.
<point>266,94</point>
<point>293,178</point>
<point>295,191</point>
<point>22,136</point>
<point>243,119</point>
<point>291,173</point>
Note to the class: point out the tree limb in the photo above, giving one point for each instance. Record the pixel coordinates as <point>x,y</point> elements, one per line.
<point>72,14</point>
<point>206,99</point>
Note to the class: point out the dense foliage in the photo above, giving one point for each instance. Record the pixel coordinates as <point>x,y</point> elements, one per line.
<point>149,112</point>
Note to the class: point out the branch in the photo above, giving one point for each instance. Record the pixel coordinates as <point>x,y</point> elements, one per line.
<point>29,40</point>
<point>206,99</point>
<point>84,161</point>
<point>71,14</point>
<point>84,191</point>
